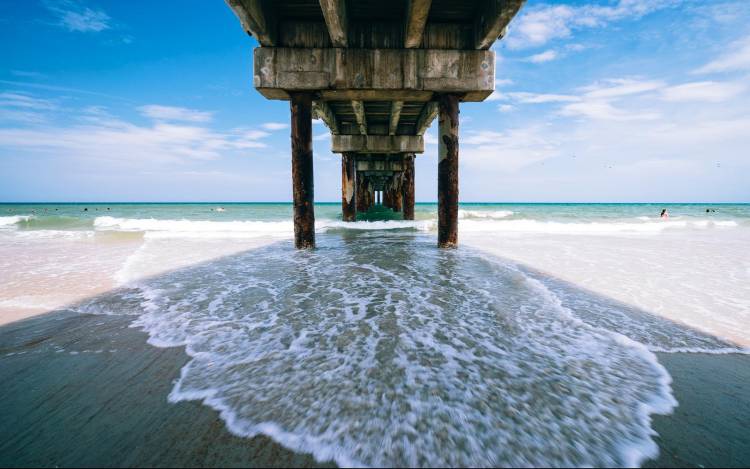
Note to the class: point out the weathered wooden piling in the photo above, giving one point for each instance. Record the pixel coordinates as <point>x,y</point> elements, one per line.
<point>448,170</point>
<point>396,194</point>
<point>302,170</point>
<point>407,187</point>
<point>348,185</point>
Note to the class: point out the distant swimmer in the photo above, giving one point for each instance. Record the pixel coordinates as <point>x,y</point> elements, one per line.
<point>664,214</point>
<point>86,209</point>
<point>221,209</point>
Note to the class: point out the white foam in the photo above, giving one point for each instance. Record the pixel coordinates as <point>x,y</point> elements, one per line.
<point>53,234</point>
<point>588,228</point>
<point>484,214</point>
<point>161,228</point>
<point>419,225</point>
<point>633,453</point>
<point>14,220</point>
<point>419,358</point>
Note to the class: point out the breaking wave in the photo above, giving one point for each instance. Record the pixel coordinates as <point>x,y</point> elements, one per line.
<point>484,214</point>
<point>471,221</point>
<point>13,220</point>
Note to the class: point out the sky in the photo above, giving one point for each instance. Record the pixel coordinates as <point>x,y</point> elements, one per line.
<point>595,101</point>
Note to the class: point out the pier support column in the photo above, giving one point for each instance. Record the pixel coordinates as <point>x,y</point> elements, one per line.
<point>302,170</point>
<point>407,187</point>
<point>348,177</point>
<point>361,193</point>
<point>397,198</point>
<point>448,171</point>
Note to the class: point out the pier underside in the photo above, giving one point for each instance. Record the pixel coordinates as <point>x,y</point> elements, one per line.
<point>377,73</point>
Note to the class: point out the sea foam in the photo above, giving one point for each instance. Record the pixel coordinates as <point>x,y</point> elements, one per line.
<point>13,220</point>
<point>423,357</point>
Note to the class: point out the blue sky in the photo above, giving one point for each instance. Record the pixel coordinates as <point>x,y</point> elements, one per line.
<point>622,100</point>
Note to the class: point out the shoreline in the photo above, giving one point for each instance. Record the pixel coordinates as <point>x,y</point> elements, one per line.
<point>88,390</point>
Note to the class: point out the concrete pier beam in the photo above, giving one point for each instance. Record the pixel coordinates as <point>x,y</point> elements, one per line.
<point>448,170</point>
<point>348,177</point>
<point>363,75</point>
<point>382,144</point>
<point>302,170</point>
<point>407,187</point>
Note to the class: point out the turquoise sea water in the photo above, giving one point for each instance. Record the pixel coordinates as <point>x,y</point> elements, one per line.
<point>82,215</point>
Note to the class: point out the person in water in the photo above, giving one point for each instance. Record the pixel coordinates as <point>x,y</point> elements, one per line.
<point>664,214</point>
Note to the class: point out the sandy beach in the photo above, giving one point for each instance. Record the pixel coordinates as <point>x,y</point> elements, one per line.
<point>102,402</point>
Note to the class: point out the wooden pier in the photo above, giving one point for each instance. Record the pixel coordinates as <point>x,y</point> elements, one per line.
<point>377,73</point>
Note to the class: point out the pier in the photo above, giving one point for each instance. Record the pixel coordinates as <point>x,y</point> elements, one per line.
<point>377,73</point>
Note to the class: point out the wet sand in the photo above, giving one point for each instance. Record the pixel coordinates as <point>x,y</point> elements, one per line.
<point>85,390</point>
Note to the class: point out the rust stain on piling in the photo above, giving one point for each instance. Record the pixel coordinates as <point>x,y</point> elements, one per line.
<point>348,176</point>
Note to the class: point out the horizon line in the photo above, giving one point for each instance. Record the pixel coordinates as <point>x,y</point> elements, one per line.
<point>338,202</point>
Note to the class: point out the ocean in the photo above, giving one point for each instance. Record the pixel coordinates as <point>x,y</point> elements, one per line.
<point>533,343</point>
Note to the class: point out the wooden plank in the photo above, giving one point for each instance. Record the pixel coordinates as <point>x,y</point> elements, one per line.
<point>416,19</point>
<point>323,111</point>
<point>429,112</point>
<point>493,19</point>
<point>359,114</point>
<point>256,20</point>
<point>334,12</point>
<point>395,116</point>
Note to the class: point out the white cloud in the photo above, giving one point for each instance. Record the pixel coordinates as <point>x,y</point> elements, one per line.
<point>171,113</point>
<point>537,26</point>
<point>542,57</point>
<point>736,59</point>
<point>596,101</point>
<point>495,96</point>
<point>75,17</point>
<point>540,98</point>
<point>272,126</point>
<point>618,87</point>
<point>22,107</point>
<point>505,108</point>
<point>322,136</point>
<point>26,101</point>
<point>508,151</point>
<point>604,110</point>
<point>710,91</point>
<point>101,137</point>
